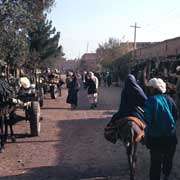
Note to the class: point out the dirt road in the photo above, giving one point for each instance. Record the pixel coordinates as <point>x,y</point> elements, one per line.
<point>71,145</point>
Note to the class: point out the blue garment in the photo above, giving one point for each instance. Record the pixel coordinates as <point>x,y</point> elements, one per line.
<point>160,112</point>
<point>132,97</point>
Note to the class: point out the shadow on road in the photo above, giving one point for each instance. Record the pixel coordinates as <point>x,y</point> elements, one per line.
<point>83,153</point>
<point>55,173</point>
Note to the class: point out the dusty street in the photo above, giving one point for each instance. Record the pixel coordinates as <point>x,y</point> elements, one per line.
<point>71,145</point>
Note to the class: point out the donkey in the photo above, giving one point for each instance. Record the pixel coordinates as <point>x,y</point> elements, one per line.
<point>130,131</point>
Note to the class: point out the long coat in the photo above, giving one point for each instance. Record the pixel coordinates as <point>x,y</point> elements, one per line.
<point>72,97</point>
<point>92,85</point>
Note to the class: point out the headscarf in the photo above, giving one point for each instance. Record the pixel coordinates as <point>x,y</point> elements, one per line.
<point>132,97</point>
<point>131,86</point>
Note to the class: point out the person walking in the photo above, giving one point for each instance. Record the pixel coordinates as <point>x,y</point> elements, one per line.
<point>104,79</point>
<point>109,79</point>
<point>73,90</point>
<point>60,83</point>
<point>160,132</point>
<point>92,86</point>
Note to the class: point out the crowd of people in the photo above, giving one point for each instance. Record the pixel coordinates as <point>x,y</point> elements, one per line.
<point>90,81</point>
<point>104,78</point>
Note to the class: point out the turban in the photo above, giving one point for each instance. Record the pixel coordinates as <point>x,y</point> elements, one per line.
<point>24,82</point>
<point>157,83</point>
<point>178,68</point>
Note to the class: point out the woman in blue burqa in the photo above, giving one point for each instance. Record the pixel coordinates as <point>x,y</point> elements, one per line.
<point>132,100</point>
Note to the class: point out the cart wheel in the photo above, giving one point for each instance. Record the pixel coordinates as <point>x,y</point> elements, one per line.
<point>41,98</point>
<point>35,118</point>
<point>53,91</point>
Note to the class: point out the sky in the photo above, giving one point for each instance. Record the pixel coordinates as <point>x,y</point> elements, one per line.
<point>84,24</point>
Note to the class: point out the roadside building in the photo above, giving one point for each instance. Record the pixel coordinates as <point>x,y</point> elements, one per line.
<point>70,65</point>
<point>89,62</point>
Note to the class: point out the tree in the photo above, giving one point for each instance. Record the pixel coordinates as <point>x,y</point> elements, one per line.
<point>122,66</point>
<point>44,43</point>
<point>109,51</point>
<point>16,18</point>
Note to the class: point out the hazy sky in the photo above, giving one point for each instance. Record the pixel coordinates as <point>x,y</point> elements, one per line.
<point>83,22</point>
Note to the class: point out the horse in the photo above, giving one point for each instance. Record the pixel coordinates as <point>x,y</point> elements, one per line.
<point>130,131</point>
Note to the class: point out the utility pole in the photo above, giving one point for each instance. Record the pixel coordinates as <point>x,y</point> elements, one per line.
<point>135,27</point>
<point>87,48</point>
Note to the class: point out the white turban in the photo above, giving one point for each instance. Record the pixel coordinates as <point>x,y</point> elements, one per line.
<point>91,74</point>
<point>157,83</point>
<point>24,82</point>
<point>178,68</point>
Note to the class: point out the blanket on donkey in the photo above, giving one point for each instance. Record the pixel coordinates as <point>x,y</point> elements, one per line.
<point>111,131</point>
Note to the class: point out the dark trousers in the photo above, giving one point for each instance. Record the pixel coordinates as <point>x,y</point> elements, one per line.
<point>161,159</point>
